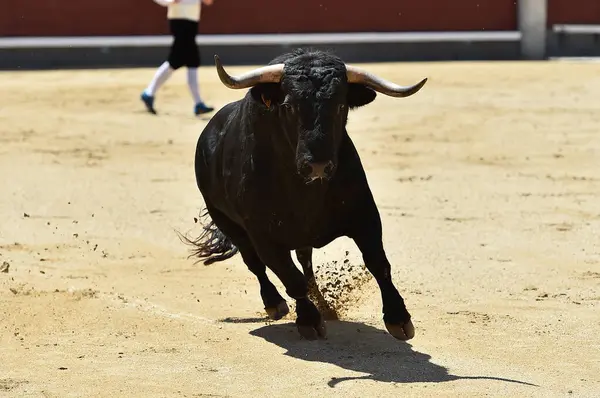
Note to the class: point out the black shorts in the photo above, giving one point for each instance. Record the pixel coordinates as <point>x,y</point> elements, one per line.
<point>184,51</point>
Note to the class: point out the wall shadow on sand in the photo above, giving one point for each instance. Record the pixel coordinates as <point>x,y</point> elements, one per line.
<point>365,349</point>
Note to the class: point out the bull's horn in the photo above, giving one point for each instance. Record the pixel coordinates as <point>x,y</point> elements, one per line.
<point>265,74</point>
<point>357,75</point>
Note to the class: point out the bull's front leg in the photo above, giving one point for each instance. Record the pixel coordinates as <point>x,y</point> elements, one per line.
<point>367,234</point>
<point>309,321</point>
<point>305,259</point>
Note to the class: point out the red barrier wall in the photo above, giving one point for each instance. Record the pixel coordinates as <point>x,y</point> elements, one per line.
<point>144,17</point>
<point>573,12</point>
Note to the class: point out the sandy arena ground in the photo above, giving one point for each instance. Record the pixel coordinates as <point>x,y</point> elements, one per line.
<point>488,182</point>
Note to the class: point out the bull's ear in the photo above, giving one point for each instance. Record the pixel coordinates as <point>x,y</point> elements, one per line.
<point>267,94</point>
<point>359,95</point>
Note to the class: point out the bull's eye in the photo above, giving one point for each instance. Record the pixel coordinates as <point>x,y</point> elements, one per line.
<point>341,108</point>
<point>288,107</point>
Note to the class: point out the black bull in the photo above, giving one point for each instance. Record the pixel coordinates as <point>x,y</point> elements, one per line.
<point>278,172</point>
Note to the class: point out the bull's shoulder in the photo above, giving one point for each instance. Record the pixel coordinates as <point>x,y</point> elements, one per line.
<point>223,118</point>
<point>217,127</point>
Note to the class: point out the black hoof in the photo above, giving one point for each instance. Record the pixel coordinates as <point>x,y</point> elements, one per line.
<point>313,332</point>
<point>278,312</point>
<point>401,332</point>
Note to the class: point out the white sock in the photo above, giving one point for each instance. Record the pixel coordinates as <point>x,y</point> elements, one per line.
<point>192,80</point>
<point>163,74</point>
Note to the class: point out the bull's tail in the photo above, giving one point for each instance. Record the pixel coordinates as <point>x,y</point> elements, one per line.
<point>212,245</point>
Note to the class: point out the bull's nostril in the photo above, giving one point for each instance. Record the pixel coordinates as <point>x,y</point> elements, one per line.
<point>320,170</point>
<point>305,170</point>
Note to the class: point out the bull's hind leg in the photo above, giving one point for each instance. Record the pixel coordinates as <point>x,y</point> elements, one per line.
<point>275,306</point>
<point>305,259</point>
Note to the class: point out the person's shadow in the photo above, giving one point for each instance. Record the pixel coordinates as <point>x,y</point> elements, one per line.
<point>365,349</point>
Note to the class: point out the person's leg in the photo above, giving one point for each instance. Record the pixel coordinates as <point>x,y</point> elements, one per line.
<point>163,74</point>
<point>165,71</point>
<point>192,63</point>
<point>192,80</point>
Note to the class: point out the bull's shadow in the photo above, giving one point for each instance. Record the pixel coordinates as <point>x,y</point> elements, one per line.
<point>362,348</point>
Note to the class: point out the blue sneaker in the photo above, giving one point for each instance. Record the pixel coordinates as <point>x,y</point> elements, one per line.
<point>201,108</point>
<point>149,102</point>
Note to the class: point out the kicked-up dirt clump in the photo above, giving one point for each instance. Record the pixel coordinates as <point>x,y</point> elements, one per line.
<point>340,284</point>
